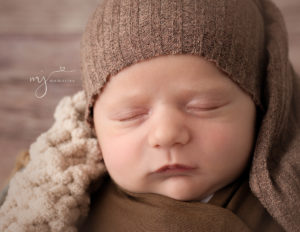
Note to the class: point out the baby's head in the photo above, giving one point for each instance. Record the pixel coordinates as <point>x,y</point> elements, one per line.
<point>174,110</point>
<point>174,84</point>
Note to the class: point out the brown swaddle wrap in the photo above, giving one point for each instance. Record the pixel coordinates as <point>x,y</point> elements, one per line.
<point>231,209</point>
<point>246,39</point>
<point>275,170</point>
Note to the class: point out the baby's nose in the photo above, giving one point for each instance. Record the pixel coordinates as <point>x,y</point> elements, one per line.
<point>168,130</point>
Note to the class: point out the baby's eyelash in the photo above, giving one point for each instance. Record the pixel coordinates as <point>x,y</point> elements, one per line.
<point>136,115</point>
<point>205,108</point>
<point>131,117</point>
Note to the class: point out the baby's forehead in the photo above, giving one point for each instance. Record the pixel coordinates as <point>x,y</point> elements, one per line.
<point>182,94</point>
<point>181,77</point>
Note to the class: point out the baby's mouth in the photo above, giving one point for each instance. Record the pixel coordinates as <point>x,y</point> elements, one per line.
<point>174,168</point>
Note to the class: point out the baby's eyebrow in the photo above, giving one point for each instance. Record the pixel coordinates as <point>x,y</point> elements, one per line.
<point>205,91</point>
<point>216,90</point>
<point>137,96</point>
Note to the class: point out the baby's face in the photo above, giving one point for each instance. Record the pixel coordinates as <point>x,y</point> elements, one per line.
<point>174,110</point>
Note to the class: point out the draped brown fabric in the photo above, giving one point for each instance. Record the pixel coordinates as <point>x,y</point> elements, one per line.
<point>275,170</point>
<point>233,208</point>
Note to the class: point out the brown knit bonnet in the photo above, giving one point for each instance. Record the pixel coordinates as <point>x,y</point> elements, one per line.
<point>247,39</point>
<point>124,32</point>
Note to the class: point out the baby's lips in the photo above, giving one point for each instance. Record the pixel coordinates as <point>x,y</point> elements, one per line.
<point>175,167</point>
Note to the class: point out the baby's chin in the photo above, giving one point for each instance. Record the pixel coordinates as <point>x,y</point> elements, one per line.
<point>181,189</point>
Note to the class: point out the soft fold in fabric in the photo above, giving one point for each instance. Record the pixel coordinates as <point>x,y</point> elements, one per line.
<point>232,209</point>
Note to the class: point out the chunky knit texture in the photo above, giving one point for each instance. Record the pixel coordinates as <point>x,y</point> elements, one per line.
<point>51,193</point>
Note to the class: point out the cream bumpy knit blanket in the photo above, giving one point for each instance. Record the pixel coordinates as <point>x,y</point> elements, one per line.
<point>51,193</point>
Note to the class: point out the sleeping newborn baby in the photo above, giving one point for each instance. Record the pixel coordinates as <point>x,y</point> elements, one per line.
<point>187,121</point>
<point>175,126</point>
<point>178,99</point>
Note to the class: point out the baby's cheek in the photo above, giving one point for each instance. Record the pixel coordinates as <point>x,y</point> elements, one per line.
<point>220,138</point>
<point>224,145</point>
<point>117,155</point>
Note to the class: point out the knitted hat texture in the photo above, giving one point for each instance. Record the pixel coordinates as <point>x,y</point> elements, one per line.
<point>120,33</point>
